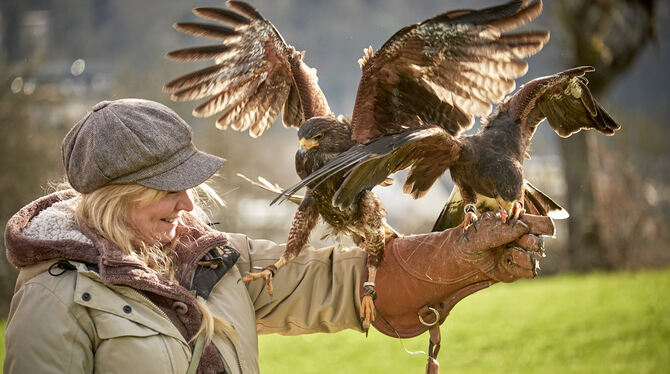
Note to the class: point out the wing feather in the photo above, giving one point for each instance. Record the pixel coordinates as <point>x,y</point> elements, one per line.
<point>218,32</point>
<point>228,98</point>
<point>432,148</point>
<point>223,83</point>
<point>460,57</point>
<point>371,164</point>
<point>210,52</point>
<point>222,15</point>
<point>191,79</point>
<point>255,75</point>
<point>565,100</point>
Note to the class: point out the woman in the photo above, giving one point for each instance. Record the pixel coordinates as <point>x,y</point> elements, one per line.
<point>121,273</point>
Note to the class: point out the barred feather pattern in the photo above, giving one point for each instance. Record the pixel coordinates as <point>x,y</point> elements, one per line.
<point>232,78</point>
<point>372,217</point>
<point>304,221</point>
<point>253,75</point>
<point>225,99</point>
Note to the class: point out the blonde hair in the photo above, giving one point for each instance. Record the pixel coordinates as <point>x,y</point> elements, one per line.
<point>106,210</point>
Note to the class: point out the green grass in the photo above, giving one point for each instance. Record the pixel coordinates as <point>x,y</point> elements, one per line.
<point>596,323</point>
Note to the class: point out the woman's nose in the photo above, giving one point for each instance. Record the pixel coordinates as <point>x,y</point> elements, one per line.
<point>185,201</point>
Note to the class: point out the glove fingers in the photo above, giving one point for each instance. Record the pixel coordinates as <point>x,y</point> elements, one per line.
<point>539,225</point>
<point>518,263</point>
<point>489,232</point>
<point>532,243</point>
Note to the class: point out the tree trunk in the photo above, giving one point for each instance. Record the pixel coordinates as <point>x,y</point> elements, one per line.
<point>594,29</point>
<point>585,247</point>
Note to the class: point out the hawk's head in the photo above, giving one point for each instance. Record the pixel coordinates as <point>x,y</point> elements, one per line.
<point>325,135</point>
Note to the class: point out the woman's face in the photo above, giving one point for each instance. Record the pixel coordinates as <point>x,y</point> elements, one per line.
<point>158,220</point>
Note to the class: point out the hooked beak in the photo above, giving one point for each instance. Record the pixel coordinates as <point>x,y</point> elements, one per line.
<point>306,144</point>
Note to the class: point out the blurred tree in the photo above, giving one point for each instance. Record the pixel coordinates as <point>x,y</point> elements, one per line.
<point>609,35</point>
<point>11,23</point>
<point>29,155</point>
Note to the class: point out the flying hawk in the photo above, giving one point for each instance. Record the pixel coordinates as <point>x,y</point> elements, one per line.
<point>440,72</point>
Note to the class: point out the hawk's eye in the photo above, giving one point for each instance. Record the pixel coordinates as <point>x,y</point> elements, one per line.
<point>317,137</point>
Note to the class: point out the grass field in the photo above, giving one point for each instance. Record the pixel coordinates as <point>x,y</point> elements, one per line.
<point>596,323</point>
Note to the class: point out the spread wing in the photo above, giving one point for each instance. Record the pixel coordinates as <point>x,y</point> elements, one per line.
<point>370,164</point>
<point>445,70</point>
<point>564,100</point>
<point>255,73</point>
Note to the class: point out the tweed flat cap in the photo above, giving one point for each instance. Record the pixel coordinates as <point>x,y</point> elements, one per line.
<point>134,141</point>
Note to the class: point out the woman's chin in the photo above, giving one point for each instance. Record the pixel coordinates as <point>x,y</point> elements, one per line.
<point>166,237</point>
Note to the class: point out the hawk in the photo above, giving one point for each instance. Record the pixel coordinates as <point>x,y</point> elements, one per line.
<point>439,72</point>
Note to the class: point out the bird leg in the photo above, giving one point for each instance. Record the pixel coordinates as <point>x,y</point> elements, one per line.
<point>369,296</point>
<point>469,218</point>
<point>469,209</point>
<point>517,210</point>
<point>304,221</point>
<point>372,219</point>
<point>267,273</point>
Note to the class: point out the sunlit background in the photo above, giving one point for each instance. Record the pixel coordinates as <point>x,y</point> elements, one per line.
<point>58,58</point>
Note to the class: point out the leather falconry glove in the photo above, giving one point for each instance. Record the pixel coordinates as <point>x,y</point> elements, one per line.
<point>422,277</point>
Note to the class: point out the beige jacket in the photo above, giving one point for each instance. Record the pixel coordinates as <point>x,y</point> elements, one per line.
<point>76,322</point>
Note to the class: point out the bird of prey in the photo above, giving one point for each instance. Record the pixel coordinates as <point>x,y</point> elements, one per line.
<point>440,72</point>
<point>486,166</point>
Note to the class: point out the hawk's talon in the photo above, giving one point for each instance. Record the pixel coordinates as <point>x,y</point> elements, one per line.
<point>266,274</point>
<point>503,215</point>
<point>517,210</point>
<point>470,219</point>
<point>368,308</point>
<point>364,329</point>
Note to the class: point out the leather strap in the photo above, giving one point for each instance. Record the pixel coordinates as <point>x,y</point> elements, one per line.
<point>432,366</point>
<point>207,274</point>
<point>197,353</point>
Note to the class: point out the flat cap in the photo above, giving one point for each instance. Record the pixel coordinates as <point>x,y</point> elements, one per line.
<point>134,141</point>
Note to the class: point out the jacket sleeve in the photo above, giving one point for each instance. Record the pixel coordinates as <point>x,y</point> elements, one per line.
<point>316,292</point>
<point>43,334</point>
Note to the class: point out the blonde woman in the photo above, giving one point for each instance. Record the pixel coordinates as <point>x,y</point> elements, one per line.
<point>122,273</point>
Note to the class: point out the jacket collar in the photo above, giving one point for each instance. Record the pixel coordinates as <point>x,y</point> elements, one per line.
<point>114,266</point>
